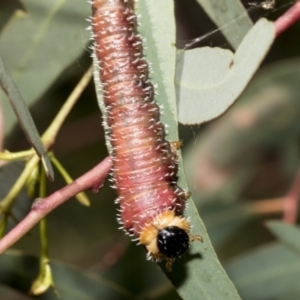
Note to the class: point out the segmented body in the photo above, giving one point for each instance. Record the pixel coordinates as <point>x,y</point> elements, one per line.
<point>144,166</point>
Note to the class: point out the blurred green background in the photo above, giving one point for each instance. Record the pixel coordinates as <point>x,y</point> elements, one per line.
<point>249,154</point>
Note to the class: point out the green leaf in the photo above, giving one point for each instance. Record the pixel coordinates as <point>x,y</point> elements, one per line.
<point>18,271</point>
<point>24,117</point>
<point>288,234</point>
<point>36,45</point>
<point>230,16</point>
<point>267,273</point>
<point>198,275</point>
<point>219,166</point>
<point>161,53</point>
<point>209,80</point>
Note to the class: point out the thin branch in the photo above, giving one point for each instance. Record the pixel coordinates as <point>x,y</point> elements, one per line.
<point>290,17</point>
<point>9,199</point>
<point>50,134</point>
<point>48,139</point>
<point>43,207</point>
<point>13,156</point>
<point>291,201</point>
<point>2,133</point>
<point>288,204</point>
<point>266,207</point>
<point>81,197</point>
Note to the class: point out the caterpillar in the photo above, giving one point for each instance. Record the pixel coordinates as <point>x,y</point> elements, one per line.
<point>144,163</point>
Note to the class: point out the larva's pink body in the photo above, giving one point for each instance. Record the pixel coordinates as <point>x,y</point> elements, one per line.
<point>144,166</point>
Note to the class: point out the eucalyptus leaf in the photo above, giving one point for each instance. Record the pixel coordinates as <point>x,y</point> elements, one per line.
<point>230,16</point>
<point>218,166</point>
<point>25,119</point>
<point>160,52</point>
<point>38,43</point>
<point>287,234</point>
<point>209,80</point>
<point>199,275</point>
<point>267,273</point>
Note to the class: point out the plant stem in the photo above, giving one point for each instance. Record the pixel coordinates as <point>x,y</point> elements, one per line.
<point>6,155</point>
<point>6,203</point>
<point>42,207</point>
<point>43,222</point>
<point>290,17</point>
<point>81,197</point>
<point>50,134</point>
<point>48,139</point>
<point>266,207</point>
<point>291,201</point>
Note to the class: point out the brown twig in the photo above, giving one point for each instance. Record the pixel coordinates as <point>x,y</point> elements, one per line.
<point>291,201</point>
<point>2,133</point>
<point>288,204</point>
<point>43,207</point>
<point>48,139</point>
<point>266,207</point>
<point>290,17</point>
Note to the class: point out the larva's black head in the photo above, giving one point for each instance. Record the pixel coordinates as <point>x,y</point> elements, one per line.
<point>172,241</point>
